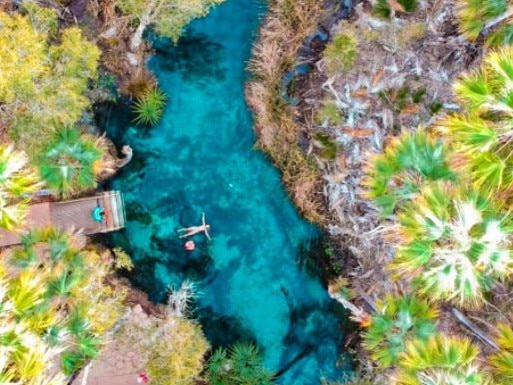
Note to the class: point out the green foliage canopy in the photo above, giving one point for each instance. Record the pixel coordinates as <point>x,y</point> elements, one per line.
<point>42,85</point>
<point>169,17</point>
<point>49,294</point>
<point>16,181</point>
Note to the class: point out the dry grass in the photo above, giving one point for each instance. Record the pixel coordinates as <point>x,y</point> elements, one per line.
<point>286,26</point>
<point>139,83</point>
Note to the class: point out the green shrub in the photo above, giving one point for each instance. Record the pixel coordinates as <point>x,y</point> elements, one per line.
<point>329,146</point>
<point>455,243</point>
<point>176,357</point>
<point>502,361</point>
<point>382,7</point>
<point>330,113</point>
<point>42,19</point>
<point>341,53</point>
<point>473,16</point>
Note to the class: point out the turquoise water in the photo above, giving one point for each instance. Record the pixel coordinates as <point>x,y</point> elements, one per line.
<point>251,277</point>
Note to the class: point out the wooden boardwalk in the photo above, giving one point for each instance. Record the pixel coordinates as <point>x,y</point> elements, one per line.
<point>73,216</point>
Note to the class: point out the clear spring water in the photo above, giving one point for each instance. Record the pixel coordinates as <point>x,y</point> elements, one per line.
<point>252,276</point>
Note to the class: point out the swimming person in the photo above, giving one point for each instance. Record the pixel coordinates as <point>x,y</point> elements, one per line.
<point>189,231</point>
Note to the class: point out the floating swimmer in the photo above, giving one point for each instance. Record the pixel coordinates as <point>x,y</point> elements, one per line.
<point>190,231</point>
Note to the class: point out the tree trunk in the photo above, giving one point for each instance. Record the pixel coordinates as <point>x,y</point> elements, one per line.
<point>136,40</point>
<point>144,21</point>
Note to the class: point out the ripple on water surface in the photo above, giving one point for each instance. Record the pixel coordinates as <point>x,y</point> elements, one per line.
<point>200,158</point>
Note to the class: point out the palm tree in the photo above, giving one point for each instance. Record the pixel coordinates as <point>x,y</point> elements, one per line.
<point>477,17</point>
<point>482,130</point>
<point>82,344</point>
<point>16,182</point>
<point>67,164</point>
<point>455,243</point>
<point>409,162</point>
<point>502,362</point>
<point>242,364</point>
<point>441,360</point>
<point>24,356</point>
<point>150,107</point>
<point>399,320</point>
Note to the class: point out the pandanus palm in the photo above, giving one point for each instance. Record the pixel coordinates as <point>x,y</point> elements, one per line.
<point>440,361</point>
<point>482,131</point>
<point>477,16</point>
<point>502,362</point>
<point>68,162</point>
<point>408,163</point>
<point>455,243</point>
<point>16,182</point>
<point>399,320</point>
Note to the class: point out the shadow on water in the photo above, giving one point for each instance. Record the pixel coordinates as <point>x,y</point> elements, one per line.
<point>184,58</point>
<point>223,330</point>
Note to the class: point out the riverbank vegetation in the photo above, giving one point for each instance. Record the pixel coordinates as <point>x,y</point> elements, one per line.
<point>60,295</point>
<point>416,97</point>
<point>285,27</point>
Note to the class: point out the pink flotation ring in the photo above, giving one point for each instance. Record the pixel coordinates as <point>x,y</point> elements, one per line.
<point>189,246</point>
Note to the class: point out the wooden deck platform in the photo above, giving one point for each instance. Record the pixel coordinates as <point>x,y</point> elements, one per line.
<point>74,216</point>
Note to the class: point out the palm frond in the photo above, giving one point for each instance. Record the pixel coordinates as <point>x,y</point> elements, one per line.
<point>401,319</point>
<point>502,361</point>
<point>440,360</point>
<point>455,243</point>
<point>16,182</point>
<point>67,163</point>
<point>150,107</point>
<point>410,162</point>
<point>473,15</point>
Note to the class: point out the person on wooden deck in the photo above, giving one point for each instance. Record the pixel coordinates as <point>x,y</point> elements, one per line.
<point>189,231</point>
